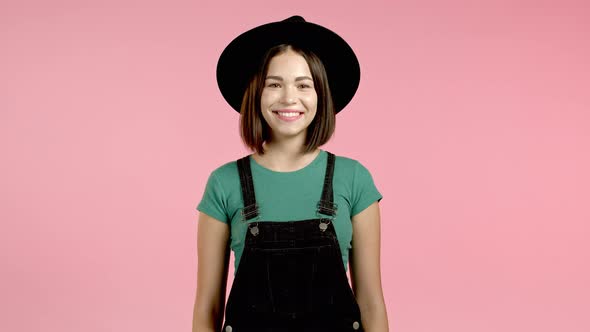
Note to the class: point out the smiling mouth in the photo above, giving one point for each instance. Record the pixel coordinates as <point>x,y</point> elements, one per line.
<point>288,113</point>
<point>292,116</point>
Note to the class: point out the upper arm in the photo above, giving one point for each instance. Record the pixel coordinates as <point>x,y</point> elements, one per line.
<point>365,270</point>
<point>213,254</point>
<point>364,191</point>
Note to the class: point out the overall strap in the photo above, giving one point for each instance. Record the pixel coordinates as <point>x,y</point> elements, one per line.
<point>326,204</point>
<point>250,209</point>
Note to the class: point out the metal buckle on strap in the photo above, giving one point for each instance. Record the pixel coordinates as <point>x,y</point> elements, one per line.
<point>326,207</point>
<point>249,211</point>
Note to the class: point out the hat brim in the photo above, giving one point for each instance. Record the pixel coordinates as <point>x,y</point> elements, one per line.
<point>241,58</point>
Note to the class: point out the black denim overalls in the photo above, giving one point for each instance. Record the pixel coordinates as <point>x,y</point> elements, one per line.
<point>291,277</point>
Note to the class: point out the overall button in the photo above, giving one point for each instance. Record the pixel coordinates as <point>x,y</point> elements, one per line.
<point>356,325</point>
<point>228,328</point>
<point>254,230</point>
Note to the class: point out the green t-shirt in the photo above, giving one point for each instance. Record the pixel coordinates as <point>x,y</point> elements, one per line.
<point>289,196</point>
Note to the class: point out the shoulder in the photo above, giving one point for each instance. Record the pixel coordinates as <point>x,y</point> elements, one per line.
<point>345,163</point>
<point>226,172</point>
<point>227,169</point>
<point>353,168</point>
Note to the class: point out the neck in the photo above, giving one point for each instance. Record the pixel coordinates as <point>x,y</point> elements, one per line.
<point>285,156</point>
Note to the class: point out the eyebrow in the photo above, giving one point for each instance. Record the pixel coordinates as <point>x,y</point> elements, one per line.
<point>279,78</point>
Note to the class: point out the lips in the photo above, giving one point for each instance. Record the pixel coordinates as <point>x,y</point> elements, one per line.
<point>287,111</point>
<point>288,118</point>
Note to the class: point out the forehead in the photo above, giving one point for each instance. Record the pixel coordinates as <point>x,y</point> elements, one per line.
<point>288,63</point>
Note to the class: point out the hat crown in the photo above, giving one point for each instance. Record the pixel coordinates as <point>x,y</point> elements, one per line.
<point>294,18</point>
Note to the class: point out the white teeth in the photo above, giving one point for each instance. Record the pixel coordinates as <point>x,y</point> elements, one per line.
<point>288,113</point>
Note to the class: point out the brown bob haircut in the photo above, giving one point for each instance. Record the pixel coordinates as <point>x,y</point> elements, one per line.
<point>253,127</point>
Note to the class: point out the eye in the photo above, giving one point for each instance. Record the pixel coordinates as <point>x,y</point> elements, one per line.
<point>305,86</point>
<point>272,85</point>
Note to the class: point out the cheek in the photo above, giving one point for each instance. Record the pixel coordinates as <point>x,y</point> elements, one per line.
<point>267,98</point>
<point>311,102</point>
<point>264,95</point>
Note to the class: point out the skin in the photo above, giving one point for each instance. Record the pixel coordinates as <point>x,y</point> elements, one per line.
<point>287,88</point>
<point>289,85</point>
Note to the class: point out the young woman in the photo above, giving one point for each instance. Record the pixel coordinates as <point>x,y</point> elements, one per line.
<point>295,215</point>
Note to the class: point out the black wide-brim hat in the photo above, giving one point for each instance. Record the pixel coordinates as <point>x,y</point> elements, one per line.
<point>240,60</point>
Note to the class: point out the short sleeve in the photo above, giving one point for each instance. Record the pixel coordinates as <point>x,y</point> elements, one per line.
<point>364,191</point>
<point>213,201</point>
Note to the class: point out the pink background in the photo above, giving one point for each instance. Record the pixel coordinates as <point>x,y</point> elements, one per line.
<point>472,116</point>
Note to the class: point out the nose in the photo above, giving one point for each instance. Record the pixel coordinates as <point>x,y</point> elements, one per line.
<point>288,96</point>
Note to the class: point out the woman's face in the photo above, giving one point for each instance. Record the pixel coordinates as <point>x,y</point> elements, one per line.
<point>288,88</point>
